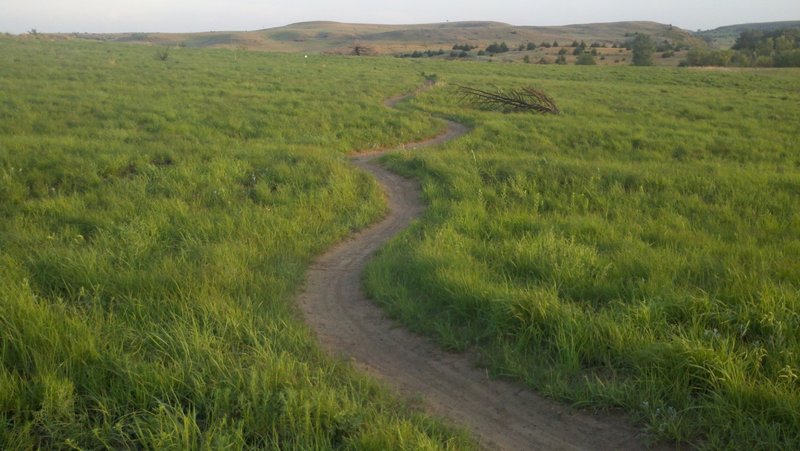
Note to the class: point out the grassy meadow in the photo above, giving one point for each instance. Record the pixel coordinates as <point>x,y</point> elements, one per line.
<point>640,251</point>
<point>156,218</point>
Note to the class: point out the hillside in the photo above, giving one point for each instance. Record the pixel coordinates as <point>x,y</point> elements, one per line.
<point>335,37</point>
<point>725,37</point>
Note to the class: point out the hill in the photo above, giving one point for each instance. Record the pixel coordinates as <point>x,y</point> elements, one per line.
<point>335,37</point>
<point>725,37</point>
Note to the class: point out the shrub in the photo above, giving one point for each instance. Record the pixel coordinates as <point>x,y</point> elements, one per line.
<point>163,54</point>
<point>497,48</point>
<point>585,59</point>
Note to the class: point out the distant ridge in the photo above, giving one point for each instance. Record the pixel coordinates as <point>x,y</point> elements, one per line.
<point>336,37</point>
<point>726,36</point>
<point>762,26</point>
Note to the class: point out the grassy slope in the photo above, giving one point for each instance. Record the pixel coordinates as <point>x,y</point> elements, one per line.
<point>639,251</point>
<point>156,218</point>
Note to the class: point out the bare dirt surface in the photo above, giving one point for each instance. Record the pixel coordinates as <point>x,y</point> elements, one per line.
<point>501,414</point>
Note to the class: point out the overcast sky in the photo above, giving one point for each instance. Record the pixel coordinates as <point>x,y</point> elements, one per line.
<point>19,16</point>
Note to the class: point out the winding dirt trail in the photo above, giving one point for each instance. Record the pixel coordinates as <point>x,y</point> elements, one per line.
<point>501,414</point>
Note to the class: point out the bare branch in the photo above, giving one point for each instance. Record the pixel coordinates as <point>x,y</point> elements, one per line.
<point>522,99</point>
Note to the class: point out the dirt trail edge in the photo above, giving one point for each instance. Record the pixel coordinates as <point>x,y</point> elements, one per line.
<point>501,414</point>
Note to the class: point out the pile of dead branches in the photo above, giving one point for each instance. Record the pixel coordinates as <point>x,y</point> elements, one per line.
<point>510,100</point>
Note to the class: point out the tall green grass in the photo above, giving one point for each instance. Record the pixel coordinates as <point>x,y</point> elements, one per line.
<point>639,251</point>
<point>156,218</point>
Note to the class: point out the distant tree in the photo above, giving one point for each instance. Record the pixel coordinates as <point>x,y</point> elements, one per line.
<point>574,44</point>
<point>748,40</point>
<point>585,59</point>
<point>563,51</point>
<point>546,45</point>
<point>778,48</point>
<point>698,57</point>
<point>527,59</point>
<point>784,43</point>
<point>497,48</point>
<point>643,48</point>
<point>790,58</point>
<point>531,46</point>
<point>562,59</point>
<point>521,47</point>
<point>555,44</point>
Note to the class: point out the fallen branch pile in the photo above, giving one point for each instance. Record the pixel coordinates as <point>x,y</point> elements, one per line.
<point>511,100</point>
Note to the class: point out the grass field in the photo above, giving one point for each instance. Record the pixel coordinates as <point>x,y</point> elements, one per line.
<point>156,218</point>
<point>640,251</point>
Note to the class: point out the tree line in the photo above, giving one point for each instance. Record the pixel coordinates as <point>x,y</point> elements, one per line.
<point>753,48</point>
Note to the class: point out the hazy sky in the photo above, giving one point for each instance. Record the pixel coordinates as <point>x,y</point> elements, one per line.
<point>18,16</point>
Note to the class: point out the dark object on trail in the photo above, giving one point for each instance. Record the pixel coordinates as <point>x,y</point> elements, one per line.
<point>522,99</point>
<point>163,54</point>
<point>360,50</point>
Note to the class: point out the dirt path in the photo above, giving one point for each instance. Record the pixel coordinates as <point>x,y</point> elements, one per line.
<point>502,415</point>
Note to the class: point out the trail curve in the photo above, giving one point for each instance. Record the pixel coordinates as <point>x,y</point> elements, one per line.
<point>501,414</point>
